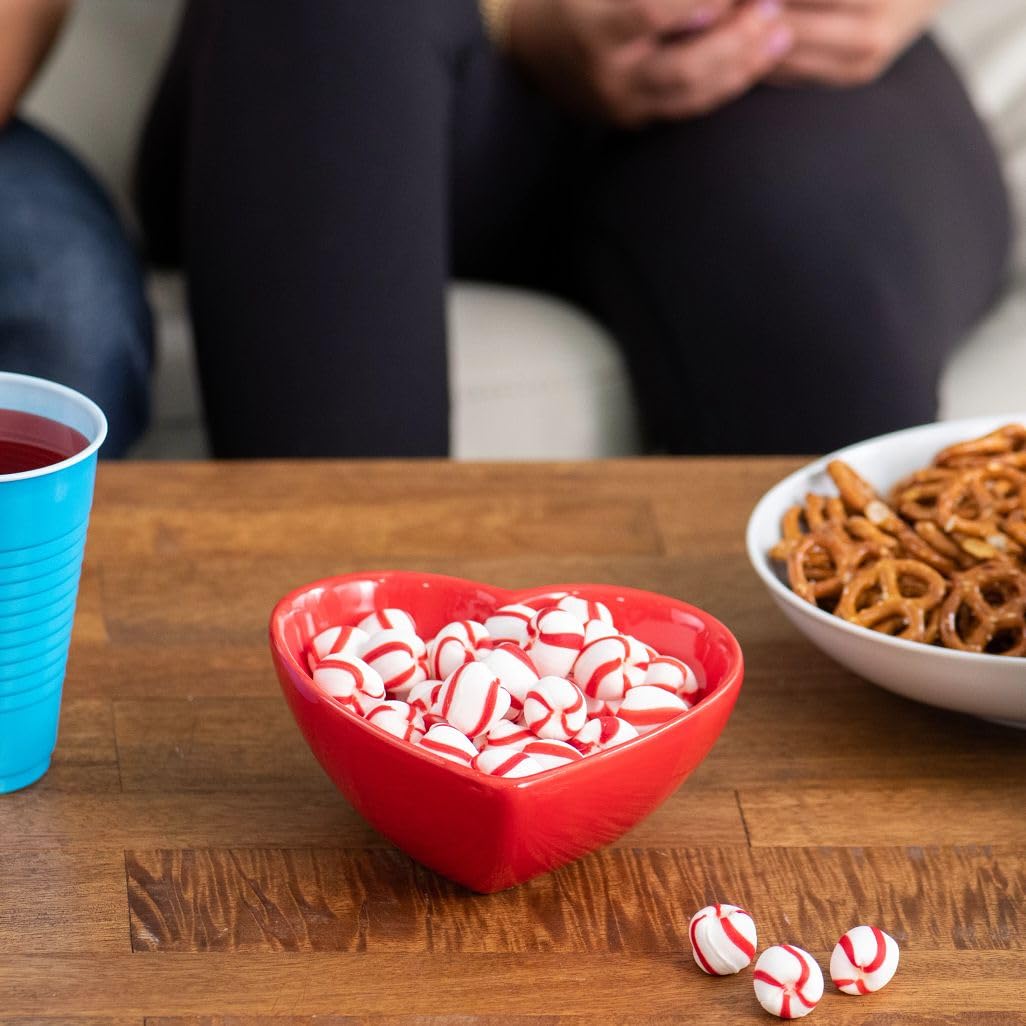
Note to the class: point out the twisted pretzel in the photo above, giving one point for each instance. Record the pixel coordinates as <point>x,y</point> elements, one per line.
<point>1006,440</point>
<point>893,596</point>
<point>986,611</point>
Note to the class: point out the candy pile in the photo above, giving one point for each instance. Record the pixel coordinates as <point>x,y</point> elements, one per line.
<point>788,982</point>
<point>531,688</point>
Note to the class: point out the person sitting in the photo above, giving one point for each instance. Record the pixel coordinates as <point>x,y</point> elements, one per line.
<point>72,304</point>
<point>786,213</point>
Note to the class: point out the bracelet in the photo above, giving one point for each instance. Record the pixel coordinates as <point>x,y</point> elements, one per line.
<point>495,14</point>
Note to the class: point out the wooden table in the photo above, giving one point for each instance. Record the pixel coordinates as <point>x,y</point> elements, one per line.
<point>186,862</point>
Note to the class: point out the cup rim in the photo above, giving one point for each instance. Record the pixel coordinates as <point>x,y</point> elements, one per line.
<point>100,425</point>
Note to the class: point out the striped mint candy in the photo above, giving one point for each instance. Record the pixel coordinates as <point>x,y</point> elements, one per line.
<point>554,708</point>
<point>396,656</point>
<point>449,743</point>
<point>388,619</point>
<point>595,629</point>
<point>509,623</point>
<point>598,707</point>
<point>550,753</point>
<point>639,654</point>
<point>509,736</point>
<point>788,982</point>
<point>345,641</point>
<point>498,762</point>
<point>397,719</point>
<point>723,939</point>
<point>455,644</point>
<point>584,609</point>
<point>602,670</point>
<point>864,960</point>
<point>554,640</point>
<point>672,675</point>
<point>516,673</point>
<point>646,707</point>
<point>471,699</point>
<point>348,680</point>
<point>601,733</point>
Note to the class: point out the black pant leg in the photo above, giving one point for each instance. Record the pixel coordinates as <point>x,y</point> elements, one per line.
<point>314,218</point>
<point>789,273</point>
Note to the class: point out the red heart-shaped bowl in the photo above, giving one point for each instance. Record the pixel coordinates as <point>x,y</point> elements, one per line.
<point>487,832</point>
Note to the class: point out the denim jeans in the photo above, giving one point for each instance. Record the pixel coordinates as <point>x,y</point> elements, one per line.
<point>72,304</point>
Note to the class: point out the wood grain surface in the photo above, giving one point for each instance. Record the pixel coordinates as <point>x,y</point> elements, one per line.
<point>185,862</point>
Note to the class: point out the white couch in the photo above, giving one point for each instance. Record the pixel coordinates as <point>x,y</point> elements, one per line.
<point>530,377</point>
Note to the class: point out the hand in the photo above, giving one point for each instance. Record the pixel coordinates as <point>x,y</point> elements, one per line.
<point>635,61</point>
<point>849,42</point>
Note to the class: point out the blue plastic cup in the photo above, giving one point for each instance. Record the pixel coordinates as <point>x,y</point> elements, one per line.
<point>44,516</point>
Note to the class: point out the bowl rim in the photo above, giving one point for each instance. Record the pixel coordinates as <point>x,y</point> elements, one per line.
<point>762,565</point>
<point>729,686</point>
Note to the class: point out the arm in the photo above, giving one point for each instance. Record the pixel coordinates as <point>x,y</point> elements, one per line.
<point>27,30</point>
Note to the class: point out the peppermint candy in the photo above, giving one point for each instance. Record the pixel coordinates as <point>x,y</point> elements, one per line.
<point>788,982</point>
<point>864,960</point>
<point>723,939</point>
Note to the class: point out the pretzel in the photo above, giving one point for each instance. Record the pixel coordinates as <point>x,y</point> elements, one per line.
<point>894,596</point>
<point>983,493</point>
<point>986,611</point>
<point>915,496</point>
<point>805,562</point>
<point>943,561</point>
<point>1011,438</point>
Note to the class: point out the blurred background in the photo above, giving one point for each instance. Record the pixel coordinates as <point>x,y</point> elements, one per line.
<point>562,390</point>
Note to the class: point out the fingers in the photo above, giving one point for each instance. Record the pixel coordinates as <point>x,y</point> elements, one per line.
<point>671,17</point>
<point>705,71</point>
<point>837,47</point>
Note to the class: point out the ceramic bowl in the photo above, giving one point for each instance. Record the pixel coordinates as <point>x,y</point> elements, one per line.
<point>990,686</point>
<point>485,832</point>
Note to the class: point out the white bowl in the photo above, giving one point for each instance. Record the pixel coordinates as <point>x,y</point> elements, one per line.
<point>990,686</point>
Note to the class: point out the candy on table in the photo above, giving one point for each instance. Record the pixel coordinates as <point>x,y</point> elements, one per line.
<point>584,609</point>
<point>509,623</point>
<point>673,675</point>
<point>864,960</point>
<point>516,673</point>
<point>472,700</point>
<point>395,654</point>
<point>549,753</point>
<point>345,641</point>
<point>395,720</point>
<point>601,733</point>
<point>554,640</point>
<point>602,670</point>
<point>647,707</point>
<point>788,982</point>
<point>347,680</point>
<point>509,736</point>
<point>455,644</point>
<point>500,763</point>
<point>388,619</point>
<point>554,708</point>
<point>723,939</point>
<point>449,743</point>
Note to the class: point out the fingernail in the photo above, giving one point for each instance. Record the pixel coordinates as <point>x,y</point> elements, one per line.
<point>780,41</point>
<point>771,10</point>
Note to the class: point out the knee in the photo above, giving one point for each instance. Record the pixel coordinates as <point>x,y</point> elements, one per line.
<point>72,304</point>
